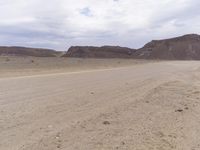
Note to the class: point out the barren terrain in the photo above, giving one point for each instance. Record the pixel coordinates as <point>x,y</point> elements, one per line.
<point>11,66</point>
<point>78,104</point>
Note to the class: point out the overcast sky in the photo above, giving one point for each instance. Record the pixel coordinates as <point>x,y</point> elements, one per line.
<point>59,24</point>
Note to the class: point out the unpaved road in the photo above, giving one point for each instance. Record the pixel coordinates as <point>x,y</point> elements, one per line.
<point>153,106</point>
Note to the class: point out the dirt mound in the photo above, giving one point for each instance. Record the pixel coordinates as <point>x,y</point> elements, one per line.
<point>24,51</point>
<point>186,47</point>
<point>99,52</point>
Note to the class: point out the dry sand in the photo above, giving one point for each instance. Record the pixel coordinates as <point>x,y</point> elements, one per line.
<point>151,106</point>
<point>23,66</point>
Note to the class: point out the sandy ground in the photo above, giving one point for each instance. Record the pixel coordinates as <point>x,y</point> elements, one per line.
<point>23,66</point>
<point>151,106</point>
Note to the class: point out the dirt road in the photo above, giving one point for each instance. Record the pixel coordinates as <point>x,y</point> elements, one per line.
<point>154,106</point>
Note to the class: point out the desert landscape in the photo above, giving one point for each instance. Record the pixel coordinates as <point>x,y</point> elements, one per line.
<point>99,75</point>
<point>87,103</point>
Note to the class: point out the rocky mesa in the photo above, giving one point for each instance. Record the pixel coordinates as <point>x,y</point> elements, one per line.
<point>100,52</point>
<point>185,47</point>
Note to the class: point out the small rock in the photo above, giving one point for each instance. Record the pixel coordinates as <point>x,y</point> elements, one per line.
<point>106,122</point>
<point>58,136</point>
<point>179,110</point>
<point>122,143</point>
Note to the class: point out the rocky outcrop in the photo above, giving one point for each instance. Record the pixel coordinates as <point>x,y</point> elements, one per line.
<point>24,51</point>
<point>186,47</point>
<point>99,52</point>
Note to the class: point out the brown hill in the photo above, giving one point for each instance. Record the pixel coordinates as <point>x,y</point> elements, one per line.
<point>99,52</point>
<point>24,51</point>
<point>186,47</point>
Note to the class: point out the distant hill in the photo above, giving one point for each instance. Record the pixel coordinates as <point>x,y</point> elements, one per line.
<point>99,52</point>
<point>186,47</point>
<point>24,51</point>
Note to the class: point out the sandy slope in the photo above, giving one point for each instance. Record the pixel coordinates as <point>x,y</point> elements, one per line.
<point>154,106</point>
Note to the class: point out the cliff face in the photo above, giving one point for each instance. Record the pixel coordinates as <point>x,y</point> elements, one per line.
<point>186,47</point>
<point>99,52</point>
<point>23,51</point>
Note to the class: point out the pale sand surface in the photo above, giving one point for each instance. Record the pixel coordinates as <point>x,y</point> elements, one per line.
<point>25,66</point>
<point>151,106</point>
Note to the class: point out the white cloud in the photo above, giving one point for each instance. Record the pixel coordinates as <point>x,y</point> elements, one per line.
<point>62,23</point>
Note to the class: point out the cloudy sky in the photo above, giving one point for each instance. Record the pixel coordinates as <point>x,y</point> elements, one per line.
<point>59,24</point>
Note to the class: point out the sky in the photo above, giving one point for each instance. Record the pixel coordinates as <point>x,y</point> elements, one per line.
<point>59,24</point>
